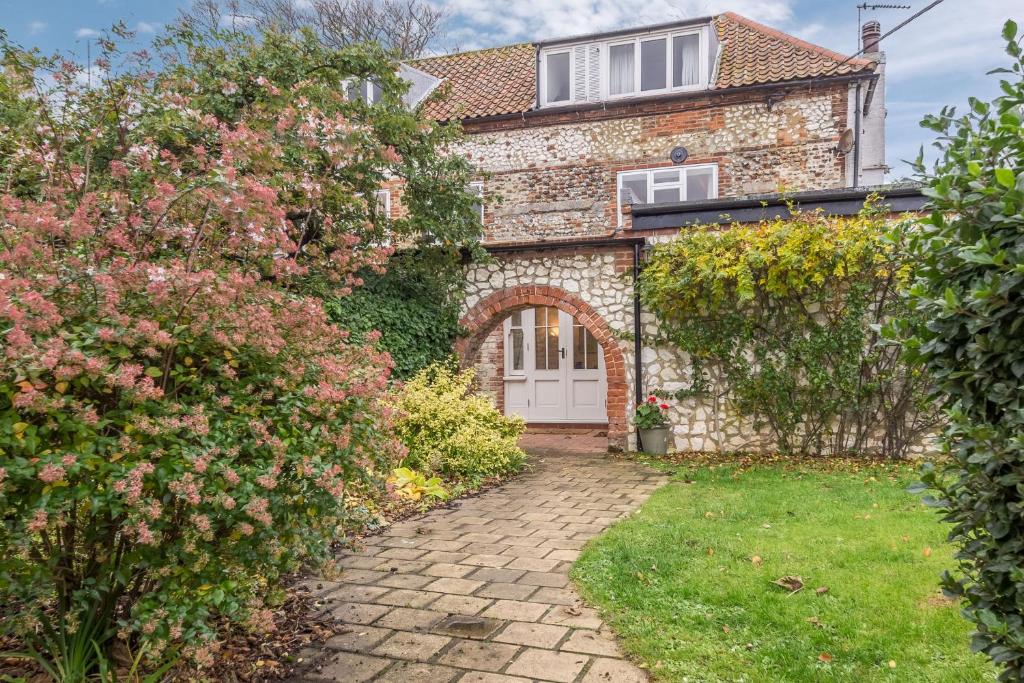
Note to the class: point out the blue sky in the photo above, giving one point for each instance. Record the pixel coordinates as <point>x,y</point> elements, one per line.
<point>939,59</point>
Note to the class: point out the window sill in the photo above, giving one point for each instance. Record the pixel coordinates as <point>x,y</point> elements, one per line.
<point>514,378</point>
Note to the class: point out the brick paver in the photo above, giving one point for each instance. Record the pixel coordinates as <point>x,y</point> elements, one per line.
<point>480,592</point>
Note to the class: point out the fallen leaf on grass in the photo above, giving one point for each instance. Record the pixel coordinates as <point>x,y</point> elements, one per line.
<point>725,629</point>
<point>814,621</point>
<point>825,657</point>
<point>821,590</point>
<point>756,560</point>
<point>892,663</point>
<point>927,552</point>
<point>790,583</point>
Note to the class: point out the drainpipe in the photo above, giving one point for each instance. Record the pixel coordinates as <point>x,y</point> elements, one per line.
<point>637,345</point>
<point>856,138</point>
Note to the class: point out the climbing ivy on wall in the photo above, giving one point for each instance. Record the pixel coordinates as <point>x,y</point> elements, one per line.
<point>785,312</point>
<point>414,305</point>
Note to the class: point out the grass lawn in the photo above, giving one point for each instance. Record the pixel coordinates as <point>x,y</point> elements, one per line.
<point>687,581</point>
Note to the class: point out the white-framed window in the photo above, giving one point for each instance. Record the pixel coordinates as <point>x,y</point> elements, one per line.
<point>656,63</point>
<point>383,202</point>
<point>367,91</point>
<point>515,352</point>
<point>557,75</point>
<point>668,184</point>
<point>625,66</point>
<point>477,188</point>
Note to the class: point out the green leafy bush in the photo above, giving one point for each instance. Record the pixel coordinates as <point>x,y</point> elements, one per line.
<point>414,306</point>
<point>970,290</point>
<point>450,430</point>
<point>786,312</point>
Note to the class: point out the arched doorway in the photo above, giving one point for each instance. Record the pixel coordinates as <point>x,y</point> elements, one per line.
<point>561,364</point>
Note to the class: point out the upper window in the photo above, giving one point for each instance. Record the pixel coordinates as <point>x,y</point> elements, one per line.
<point>558,77</point>
<point>367,91</point>
<point>653,64</point>
<point>672,184</point>
<point>626,66</point>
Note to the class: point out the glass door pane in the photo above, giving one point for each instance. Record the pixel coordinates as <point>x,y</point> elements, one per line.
<point>584,348</point>
<point>515,341</point>
<point>546,353</point>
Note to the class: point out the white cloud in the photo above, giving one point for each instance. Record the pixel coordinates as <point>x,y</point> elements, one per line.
<point>36,27</point>
<point>485,22</point>
<point>87,33</point>
<point>146,27</point>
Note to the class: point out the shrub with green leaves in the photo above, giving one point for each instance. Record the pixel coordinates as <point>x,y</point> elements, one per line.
<point>414,306</point>
<point>451,430</point>
<point>970,291</point>
<point>785,312</point>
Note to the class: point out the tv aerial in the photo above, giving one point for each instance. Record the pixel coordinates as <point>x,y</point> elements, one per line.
<point>865,7</point>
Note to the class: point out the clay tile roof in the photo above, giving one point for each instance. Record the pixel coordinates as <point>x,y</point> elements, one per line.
<point>754,53</point>
<point>501,80</point>
<point>497,80</point>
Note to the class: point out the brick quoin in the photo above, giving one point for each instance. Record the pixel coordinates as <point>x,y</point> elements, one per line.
<point>480,320</point>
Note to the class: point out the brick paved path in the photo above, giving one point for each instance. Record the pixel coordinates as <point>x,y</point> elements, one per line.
<point>481,593</point>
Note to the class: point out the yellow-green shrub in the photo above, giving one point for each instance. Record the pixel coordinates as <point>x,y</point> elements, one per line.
<point>449,429</point>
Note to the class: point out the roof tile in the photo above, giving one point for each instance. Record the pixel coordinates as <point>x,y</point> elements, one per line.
<point>502,80</point>
<point>753,53</point>
<point>497,80</point>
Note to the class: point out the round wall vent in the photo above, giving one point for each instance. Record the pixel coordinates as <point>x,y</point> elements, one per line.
<point>679,155</point>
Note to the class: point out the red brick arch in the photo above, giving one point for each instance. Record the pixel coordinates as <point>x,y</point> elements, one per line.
<point>481,319</point>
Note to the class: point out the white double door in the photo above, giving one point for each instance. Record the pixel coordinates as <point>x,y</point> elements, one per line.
<point>554,368</point>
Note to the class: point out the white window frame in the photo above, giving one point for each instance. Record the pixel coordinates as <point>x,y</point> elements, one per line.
<point>543,76</point>
<point>649,173</point>
<point>369,100</point>
<point>509,370</point>
<point>386,195</point>
<point>604,58</point>
<point>667,36</point>
<point>477,186</point>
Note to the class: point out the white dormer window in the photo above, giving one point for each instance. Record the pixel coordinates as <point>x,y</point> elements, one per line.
<point>367,91</point>
<point>624,66</point>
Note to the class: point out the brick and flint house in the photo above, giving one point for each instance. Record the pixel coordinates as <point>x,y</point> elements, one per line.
<point>590,148</point>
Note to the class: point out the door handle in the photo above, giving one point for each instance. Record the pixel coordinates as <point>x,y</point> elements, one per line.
<point>562,351</point>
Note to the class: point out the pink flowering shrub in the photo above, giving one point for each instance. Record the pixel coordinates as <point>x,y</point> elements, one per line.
<point>179,421</point>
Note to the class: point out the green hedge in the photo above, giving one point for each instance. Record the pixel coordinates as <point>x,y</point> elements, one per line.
<point>414,305</point>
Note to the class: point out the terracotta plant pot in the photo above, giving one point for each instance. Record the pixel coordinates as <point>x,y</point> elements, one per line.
<point>654,441</point>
